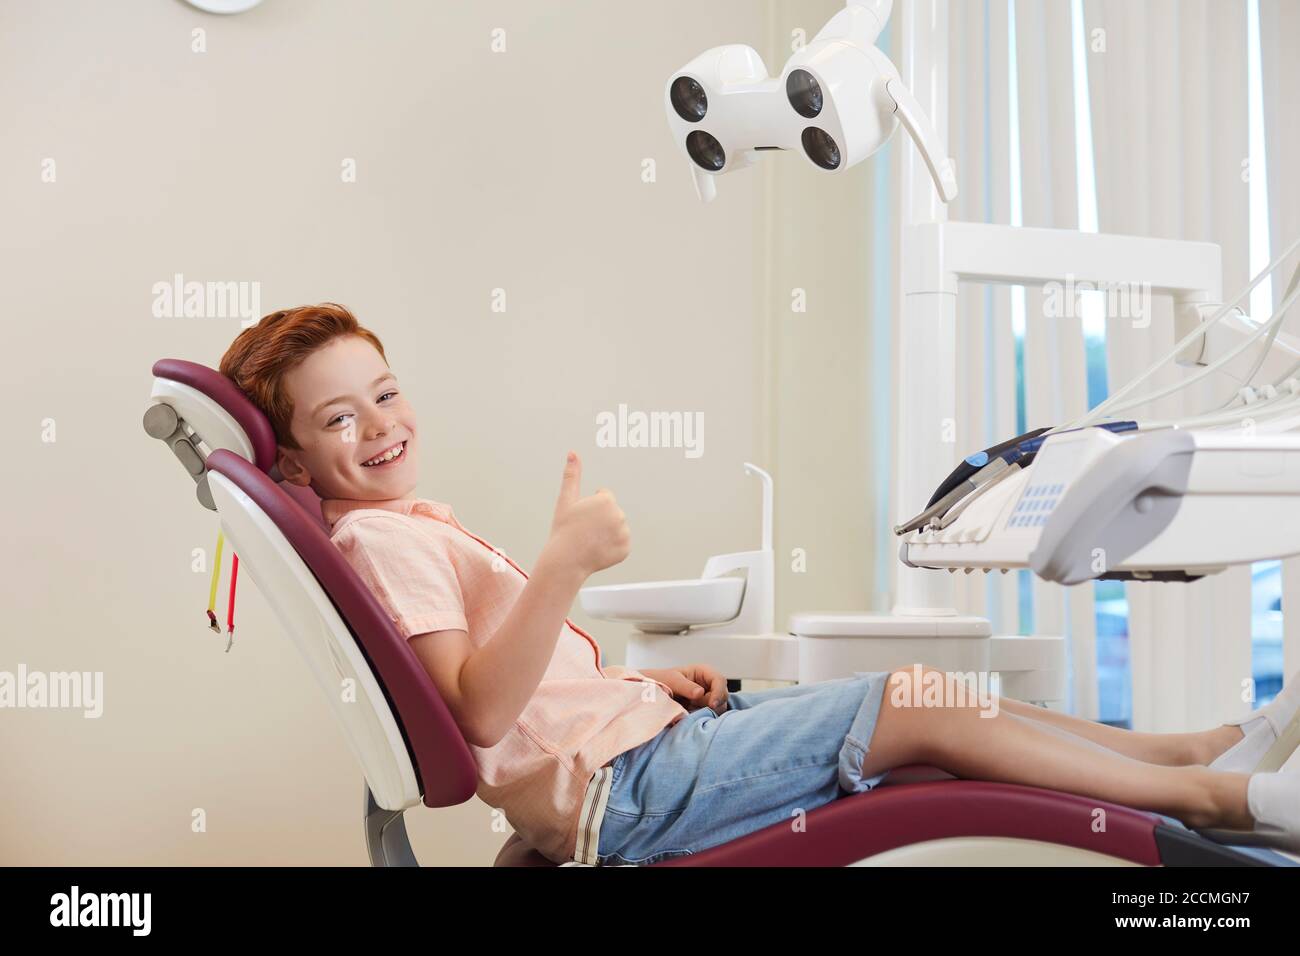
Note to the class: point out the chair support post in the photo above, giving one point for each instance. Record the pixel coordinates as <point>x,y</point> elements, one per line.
<point>386,839</point>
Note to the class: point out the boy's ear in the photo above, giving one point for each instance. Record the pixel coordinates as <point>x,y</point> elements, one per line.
<point>291,470</point>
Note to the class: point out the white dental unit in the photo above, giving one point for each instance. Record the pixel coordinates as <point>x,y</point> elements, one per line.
<point>1131,500</point>
<point>1143,506</point>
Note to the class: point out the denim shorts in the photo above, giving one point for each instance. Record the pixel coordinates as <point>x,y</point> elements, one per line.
<point>711,778</point>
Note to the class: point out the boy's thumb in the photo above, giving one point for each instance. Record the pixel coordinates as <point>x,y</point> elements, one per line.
<point>572,479</point>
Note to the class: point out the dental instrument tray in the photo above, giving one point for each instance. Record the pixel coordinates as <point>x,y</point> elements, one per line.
<point>1096,503</point>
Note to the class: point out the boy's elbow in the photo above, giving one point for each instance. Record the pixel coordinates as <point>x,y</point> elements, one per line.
<point>479,729</point>
<point>479,725</point>
<point>481,736</point>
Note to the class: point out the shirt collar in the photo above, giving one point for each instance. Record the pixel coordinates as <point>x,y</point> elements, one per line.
<point>333,509</point>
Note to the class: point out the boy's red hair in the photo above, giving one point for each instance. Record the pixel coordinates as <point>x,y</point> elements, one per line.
<point>262,354</point>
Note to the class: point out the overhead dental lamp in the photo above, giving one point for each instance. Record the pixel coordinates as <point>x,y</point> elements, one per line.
<point>836,102</point>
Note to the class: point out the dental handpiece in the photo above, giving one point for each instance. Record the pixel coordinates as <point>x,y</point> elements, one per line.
<point>967,486</point>
<point>978,471</point>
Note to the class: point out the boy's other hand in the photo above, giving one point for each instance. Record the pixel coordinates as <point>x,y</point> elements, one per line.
<point>694,685</point>
<point>590,533</point>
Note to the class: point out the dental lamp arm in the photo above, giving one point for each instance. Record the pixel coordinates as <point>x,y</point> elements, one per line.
<point>923,134</point>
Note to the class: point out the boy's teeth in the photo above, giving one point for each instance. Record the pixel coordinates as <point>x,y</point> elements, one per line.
<point>386,456</point>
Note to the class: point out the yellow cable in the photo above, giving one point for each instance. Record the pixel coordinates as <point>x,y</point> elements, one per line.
<point>216,576</point>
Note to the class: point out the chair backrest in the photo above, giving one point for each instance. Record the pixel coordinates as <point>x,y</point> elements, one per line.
<point>389,709</point>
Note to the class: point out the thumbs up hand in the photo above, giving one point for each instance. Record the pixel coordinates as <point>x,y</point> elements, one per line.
<point>591,533</point>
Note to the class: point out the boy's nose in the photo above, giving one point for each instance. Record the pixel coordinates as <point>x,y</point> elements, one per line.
<point>380,429</point>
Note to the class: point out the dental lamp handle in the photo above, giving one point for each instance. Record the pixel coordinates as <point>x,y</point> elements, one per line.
<point>927,141</point>
<point>705,187</point>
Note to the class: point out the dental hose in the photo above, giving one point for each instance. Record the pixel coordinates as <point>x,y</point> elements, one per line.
<point>1113,403</point>
<point>1268,344</point>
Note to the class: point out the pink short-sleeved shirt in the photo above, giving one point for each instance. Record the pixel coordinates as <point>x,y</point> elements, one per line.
<point>431,574</point>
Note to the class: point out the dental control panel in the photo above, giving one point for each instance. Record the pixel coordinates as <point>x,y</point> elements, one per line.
<point>1062,459</point>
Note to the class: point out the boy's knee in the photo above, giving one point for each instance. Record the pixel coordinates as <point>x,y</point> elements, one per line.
<point>902,685</point>
<point>922,689</point>
<point>909,673</point>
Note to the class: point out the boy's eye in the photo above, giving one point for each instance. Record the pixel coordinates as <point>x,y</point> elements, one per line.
<point>345,414</point>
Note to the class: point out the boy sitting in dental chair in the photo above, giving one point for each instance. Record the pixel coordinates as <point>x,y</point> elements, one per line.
<point>603,764</point>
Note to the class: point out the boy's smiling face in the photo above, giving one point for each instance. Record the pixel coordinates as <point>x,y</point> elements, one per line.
<point>348,412</point>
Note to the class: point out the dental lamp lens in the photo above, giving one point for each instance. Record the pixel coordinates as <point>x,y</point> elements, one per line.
<point>821,148</point>
<point>804,93</point>
<point>688,99</point>
<point>706,150</point>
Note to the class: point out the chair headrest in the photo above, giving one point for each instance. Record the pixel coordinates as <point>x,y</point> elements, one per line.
<point>256,426</point>
<point>223,418</point>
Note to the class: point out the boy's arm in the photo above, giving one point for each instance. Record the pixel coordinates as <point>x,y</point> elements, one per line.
<point>487,688</point>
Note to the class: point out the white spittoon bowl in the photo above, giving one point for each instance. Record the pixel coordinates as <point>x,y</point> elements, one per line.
<point>666,607</point>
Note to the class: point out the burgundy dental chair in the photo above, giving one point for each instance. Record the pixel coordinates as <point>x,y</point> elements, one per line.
<point>412,752</point>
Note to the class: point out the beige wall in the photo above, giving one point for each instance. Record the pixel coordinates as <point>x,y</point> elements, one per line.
<point>475,171</point>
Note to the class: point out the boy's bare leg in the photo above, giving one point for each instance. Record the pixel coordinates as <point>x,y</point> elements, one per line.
<point>1009,748</point>
<point>1168,749</point>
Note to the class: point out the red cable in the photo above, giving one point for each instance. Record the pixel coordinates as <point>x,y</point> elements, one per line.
<point>230,608</point>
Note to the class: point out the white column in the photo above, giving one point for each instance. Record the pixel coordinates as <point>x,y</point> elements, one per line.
<point>927,335</point>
